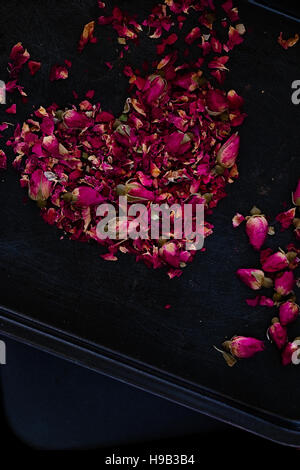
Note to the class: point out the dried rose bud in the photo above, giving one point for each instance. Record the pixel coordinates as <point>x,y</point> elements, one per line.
<point>287,353</point>
<point>254,278</point>
<point>277,333</point>
<point>288,312</point>
<point>173,256</point>
<point>39,188</point>
<point>275,262</point>
<point>243,347</point>
<point>257,230</point>
<point>296,195</point>
<point>84,196</point>
<point>284,283</point>
<point>228,153</point>
<point>135,192</point>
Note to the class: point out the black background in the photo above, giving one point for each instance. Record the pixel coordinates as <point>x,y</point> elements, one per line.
<point>68,286</point>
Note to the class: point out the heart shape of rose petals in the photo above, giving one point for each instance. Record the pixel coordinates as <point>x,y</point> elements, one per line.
<point>174,143</point>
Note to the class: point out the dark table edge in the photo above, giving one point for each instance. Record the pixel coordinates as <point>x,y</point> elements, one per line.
<point>57,342</point>
<point>281,12</point>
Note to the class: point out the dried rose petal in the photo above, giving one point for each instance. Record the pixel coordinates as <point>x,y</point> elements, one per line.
<point>234,100</point>
<point>87,35</point>
<point>235,36</point>
<point>243,347</point>
<point>12,109</point>
<point>109,257</point>
<point>260,300</point>
<point>266,302</point>
<point>3,126</point>
<point>278,334</point>
<point>90,94</point>
<point>286,218</point>
<point>58,72</point>
<point>284,283</point>
<point>288,312</point>
<point>18,57</point>
<point>194,34</point>
<point>237,220</point>
<point>216,101</point>
<point>76,120</point>
<point>257,230</point>
<point>154,88</point>
<point>286,43</point>
<point>178,143</point>
<point>34,67</point>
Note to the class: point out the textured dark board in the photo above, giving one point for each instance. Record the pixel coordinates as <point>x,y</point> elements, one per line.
<point>68,287</point>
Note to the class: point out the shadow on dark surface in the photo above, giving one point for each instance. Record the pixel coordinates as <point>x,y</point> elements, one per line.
<point>50,404</point>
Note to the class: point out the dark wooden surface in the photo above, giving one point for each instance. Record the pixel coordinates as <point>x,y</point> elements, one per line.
<point>120,305</point>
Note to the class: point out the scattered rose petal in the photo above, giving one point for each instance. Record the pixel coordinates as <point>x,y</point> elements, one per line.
<point>34,67</point>
<point>12,109</point>
<point>286,43</point>
<point>87,35</point>
<point>237,220</point>
<point>286,218</point>
<point>58,72</point>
